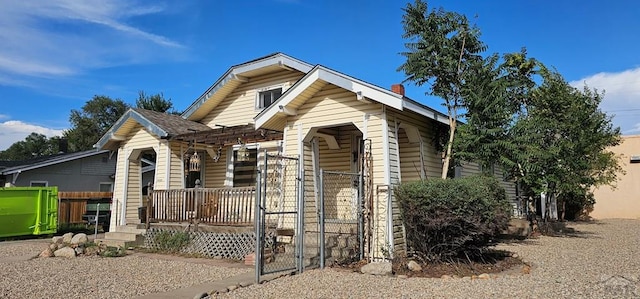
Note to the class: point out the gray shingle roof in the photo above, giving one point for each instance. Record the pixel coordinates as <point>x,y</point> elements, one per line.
<point>171,123</point>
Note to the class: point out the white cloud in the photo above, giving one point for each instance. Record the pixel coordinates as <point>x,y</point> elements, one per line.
<point>12,131</point>
<point>66,37</point>
<point>622,96</point>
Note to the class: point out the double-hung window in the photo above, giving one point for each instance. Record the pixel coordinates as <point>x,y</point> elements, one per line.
<point>268,97</point>
<point>245,165</point>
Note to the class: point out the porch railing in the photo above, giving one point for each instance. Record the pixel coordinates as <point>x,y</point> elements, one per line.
<point>222,206</point>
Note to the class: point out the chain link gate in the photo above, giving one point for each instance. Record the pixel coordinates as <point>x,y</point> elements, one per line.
<point>341,217</point>
<point>278,221</point>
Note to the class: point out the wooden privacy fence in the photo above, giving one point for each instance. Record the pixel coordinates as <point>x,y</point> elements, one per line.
<point>222,206</point>
<point>72,205</point>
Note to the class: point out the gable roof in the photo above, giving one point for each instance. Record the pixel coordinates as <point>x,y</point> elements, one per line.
<point>320,75</point>
<point>163,125</point>
<point>50,160</point>
<point>238,74</point>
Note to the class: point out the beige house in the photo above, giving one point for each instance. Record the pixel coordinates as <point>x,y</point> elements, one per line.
<point>278,105</point>
<point>623,201</point>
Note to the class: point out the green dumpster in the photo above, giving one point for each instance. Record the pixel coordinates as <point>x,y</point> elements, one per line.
<point>28,211</point>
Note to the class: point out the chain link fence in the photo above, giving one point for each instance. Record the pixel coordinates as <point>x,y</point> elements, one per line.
<point>341,217</point>
<point>278,186</point>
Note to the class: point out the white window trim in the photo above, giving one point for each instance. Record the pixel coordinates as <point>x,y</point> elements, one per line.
<point>46,183</point>
<point>259,90</point>
<point>228,181</point>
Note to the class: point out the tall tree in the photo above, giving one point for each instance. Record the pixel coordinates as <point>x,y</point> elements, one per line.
<point>552,138</point>
<point>442,49</point>
<point>155,102</point>
<point>496,93</point>
<point>33,146</point>
<point>93,121</point>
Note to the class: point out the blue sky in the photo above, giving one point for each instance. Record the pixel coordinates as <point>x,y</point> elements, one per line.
<point>56,55</point>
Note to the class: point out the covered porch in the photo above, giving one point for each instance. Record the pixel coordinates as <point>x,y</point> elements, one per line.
<point>219,182</point>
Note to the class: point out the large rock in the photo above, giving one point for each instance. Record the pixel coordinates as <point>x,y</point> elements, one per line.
<point>66,238</point>
<point>53,247</point>
<point>67,252</point>
<point>57,240</point>
<point>378,268</point>
<point>79,239</point>
<point>79,250</point>
<point>414,266</point>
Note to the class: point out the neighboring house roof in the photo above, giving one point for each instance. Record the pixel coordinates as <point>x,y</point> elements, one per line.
<point>50,160</point>
<point>238,74</point>
<point>163,125</point>
<point>295,96</point>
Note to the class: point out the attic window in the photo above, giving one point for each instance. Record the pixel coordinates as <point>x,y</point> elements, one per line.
<point>268,97</point>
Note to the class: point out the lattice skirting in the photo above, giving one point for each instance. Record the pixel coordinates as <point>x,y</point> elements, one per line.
<point>223,245</point>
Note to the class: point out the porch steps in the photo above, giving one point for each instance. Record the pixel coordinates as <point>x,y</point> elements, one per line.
<point>123,236</point>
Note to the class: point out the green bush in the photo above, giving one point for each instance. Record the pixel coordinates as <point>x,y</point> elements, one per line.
<point>113,252</point>
<point>171,241</point>
<point>453,218</point>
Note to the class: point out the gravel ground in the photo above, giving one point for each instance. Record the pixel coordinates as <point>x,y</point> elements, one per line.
<point>598,260</point>
<point>578,265</point>
<point>96,277</point>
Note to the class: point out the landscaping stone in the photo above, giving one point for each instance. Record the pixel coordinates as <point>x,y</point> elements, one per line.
<point>46,253</point>
<point>66,238</point>
<point>484,276</point>
<point>53,246</point>
<point>57,240</point>
<point>93,250</point>
<point>378,268</point>
<point>79,250</point>
<point>79,239</point>
<point>414,266</point>
<point>67,252</point>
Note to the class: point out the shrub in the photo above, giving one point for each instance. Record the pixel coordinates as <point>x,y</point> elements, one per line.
<point>450,219</point>
<point>171,241</point>
<point>113,252</point>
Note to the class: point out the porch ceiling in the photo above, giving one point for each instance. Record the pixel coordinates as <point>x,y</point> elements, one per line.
<point>225,136</point>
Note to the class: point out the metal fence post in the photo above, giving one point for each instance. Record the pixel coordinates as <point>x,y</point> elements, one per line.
<point>300,241</point>
<point>322,254</point>
<point>95,235</point>
<point>361,213</point>
<point>256,220</point>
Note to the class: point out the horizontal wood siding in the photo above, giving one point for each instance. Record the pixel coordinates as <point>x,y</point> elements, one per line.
<point>410,166</point>
<point>176,172</point>
<point>509,187</point>
<point>118,189</point>
<point>161,169</point>
<point>215,172</point>
<point>469,168</point>
<point>138,138</point>
<point>239,106</point>
<point>134,193</point>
